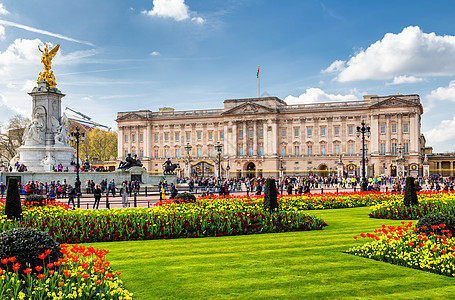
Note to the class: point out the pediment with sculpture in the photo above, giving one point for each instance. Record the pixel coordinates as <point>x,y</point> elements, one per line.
<point>248,108</point>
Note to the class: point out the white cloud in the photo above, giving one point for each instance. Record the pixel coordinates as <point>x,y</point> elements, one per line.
<point>408,52</point>
<point>315,95</point>
<point>404,79</point>
<point>336,66</point>
<point>155,53</point>
<point>3,10</point>
<point>174,9</point>
<point>198,20</point>
<point>443,93</point>
<point>45,32</point>
<point>443,132</point>
<point>2,33</point>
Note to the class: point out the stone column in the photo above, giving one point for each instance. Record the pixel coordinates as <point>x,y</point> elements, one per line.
<point>274,138</point>
<point>245,134</point>
<point>234,139</point>
<point>255,138</point>
<point>120,152</point>
<point>265,138</point>
<point>147,141</point>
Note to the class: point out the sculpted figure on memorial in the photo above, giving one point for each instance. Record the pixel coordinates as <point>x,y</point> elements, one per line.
<point>61,136</point>
<point>49,160</point>
<point>46,59</point>
<point>34,132</point>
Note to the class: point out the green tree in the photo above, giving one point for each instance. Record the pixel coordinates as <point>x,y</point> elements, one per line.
<point>270,195</point>
<point>13,208</point>
<point>98,144</point>
<point>410,194</point>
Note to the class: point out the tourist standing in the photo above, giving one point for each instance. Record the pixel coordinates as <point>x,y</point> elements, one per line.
<point>71,194</point>
<point>2,189</point>
<point>124,194</point>
<point>97,194</point>
<point>51,194</point>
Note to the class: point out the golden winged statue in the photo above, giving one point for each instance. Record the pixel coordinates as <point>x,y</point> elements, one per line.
<point>46,59</point>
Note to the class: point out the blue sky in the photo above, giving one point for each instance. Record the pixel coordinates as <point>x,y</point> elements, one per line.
<point>119,55</point>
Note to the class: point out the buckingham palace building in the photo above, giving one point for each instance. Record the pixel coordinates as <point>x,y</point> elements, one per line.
<point>267,137</point>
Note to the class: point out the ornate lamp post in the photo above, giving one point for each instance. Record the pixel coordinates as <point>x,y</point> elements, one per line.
<point>219,148</point>
<point>188,159</point>
<point>364,130</point>
<point>77,136</point>
<point>227,169</point>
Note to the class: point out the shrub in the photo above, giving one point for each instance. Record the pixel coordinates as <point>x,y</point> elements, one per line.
<point>27,244</point>
<point>185,197</point>
<point>270,195</point>
<point>13,209</point>
<point>35,200</point>
<point>410,195</point>
<point>432,223</point>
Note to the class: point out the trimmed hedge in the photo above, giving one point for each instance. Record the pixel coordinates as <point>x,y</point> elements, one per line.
<point>13,208</point>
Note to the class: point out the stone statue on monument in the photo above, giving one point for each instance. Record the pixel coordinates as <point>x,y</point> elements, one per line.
<point>46,59</point>
<point>34,132</point>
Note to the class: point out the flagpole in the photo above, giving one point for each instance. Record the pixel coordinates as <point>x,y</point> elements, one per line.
<point>259,84</point>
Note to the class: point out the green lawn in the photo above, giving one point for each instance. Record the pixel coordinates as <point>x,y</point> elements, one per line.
<point>282,265</point>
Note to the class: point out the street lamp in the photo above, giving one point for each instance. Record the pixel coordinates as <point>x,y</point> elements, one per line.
<point>364,130</point>
<point>227,169</point>
<point>219,148</point>
<point>76,135</point>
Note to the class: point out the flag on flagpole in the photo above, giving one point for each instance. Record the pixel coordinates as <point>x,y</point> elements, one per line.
<point>257,75</point>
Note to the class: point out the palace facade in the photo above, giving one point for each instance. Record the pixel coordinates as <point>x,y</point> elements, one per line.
<point>267,137</point>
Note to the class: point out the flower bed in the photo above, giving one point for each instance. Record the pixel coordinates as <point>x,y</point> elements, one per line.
<point>406,246</point>
<point>82,273</point>
<point>429,202</point>
<point>166,221</point>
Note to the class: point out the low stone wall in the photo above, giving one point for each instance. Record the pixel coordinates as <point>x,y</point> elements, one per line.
<point>97,177</point>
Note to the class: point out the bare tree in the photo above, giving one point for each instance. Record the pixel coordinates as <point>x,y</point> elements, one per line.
<point>11,136</point>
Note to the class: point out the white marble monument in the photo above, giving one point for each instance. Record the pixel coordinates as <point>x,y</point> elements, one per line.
<point>45,140</point>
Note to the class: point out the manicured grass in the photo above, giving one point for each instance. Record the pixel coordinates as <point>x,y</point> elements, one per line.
<point>308,264</point>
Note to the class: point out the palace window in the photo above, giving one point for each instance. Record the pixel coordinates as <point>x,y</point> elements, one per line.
<point>296,150</point>
<point>350,130</point>
<point>382,149</point>
<point>199,152</point>
<point>336,130</point>
<point>296,132</point>
<point>310,150</point>
<point>221,135</point>
<point>261,150</point>
<point>283,132</point>
<point>406,147</point>
<point>322,149</point>
<point>351,149</point>
<point>166,153</point>
<point>210,135</point>
<point>126,138</point>
<point>322,131</point>
<point>141,153</point>
<point>261,133</point>
<point>250,151</point>
<point>405,128</point>
<point>210,152</point>
<point>382,129</point>
<point>250,133</point>
<point>394,147</point>
<point>126,153</point>
<point>199,135</point>
<point>240,133</point>
<point>141,137</point>
<point>133,138</point>
<point>394,128</point>
<point>337,149</point>
<point>156,137</point>
<point>188,136</point>
<point>177,152</point>
<point>177,136</point>
<point>283,150</point>
<point>166,136</point>
<point>240,151</point>
<point>155,152</point>
<point>309,131</point>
